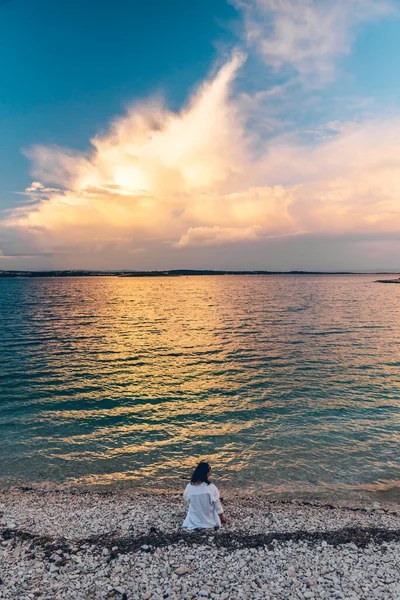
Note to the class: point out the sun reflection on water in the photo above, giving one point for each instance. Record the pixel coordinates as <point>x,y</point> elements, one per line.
<point>283,382</point>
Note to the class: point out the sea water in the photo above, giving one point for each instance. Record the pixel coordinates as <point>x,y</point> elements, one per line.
<point>287,384</point>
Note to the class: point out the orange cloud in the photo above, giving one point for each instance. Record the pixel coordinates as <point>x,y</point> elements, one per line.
<point>214,236</point>
<point>190,179</point>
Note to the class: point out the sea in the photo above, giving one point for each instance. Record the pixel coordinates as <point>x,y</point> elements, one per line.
<point>288,384</point>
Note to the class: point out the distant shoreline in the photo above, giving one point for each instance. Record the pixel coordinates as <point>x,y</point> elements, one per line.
<point>172,273</point>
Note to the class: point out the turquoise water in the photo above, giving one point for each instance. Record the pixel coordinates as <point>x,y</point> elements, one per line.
<point>286,383</point>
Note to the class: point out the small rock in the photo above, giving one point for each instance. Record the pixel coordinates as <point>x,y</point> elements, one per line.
<point>353,546</point>
<point>182,570</point>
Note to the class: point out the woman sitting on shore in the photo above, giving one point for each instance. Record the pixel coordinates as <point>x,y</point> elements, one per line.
<point>205,509</point>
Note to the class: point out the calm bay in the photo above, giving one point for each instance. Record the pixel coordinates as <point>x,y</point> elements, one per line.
<point>287,384</point>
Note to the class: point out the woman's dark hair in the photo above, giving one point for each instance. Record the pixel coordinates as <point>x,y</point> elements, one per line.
<point>200,474</point>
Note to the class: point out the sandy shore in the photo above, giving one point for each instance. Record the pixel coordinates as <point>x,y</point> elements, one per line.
<point>129,545</point>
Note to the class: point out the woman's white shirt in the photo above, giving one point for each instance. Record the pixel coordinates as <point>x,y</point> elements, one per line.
<point>204,506</point>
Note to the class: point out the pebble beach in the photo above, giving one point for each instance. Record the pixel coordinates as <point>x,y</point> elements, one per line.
<point>76,545</point>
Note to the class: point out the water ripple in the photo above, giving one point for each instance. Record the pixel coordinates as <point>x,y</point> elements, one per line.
<point>285,383</point>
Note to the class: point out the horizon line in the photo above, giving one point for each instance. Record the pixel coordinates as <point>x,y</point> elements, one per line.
<point>185,272</point>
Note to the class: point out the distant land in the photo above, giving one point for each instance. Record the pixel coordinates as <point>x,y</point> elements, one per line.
<point>172,273</point>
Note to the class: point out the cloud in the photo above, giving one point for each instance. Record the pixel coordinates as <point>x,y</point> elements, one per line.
<point>213,236</point>
<point>264,208</point>
<point>160,183</point>
<point>306,35</point>
<point>140,185</point>
<point>138,176</point>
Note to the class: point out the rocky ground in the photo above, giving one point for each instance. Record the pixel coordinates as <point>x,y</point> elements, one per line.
<point>127,545</point>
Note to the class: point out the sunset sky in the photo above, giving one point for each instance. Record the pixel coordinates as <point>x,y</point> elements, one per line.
<point>250,134</point>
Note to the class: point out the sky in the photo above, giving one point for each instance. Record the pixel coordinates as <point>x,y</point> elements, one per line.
<point>240,134</point>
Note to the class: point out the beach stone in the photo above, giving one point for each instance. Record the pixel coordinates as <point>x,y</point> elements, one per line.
<point>353,546</point>
<point>182,570</point>
<point>290,569</point>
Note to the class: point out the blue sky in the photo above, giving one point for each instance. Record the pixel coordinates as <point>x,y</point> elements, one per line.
<point>68,67</point>
<point>251,134</point>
